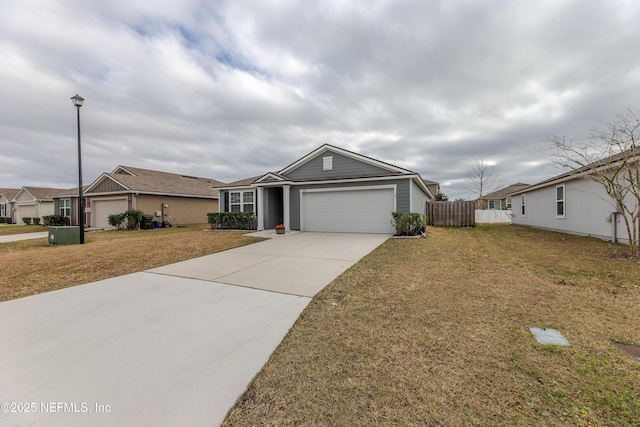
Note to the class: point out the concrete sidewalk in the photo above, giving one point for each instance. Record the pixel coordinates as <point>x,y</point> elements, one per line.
<point>174,345</point>
<point>24,236</point>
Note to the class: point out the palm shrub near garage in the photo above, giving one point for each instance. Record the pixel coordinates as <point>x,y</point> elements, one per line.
<point>232,220</point>
<point>409,224</point>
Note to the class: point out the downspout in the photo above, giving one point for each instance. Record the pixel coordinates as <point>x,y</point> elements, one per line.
<point>614,228</point>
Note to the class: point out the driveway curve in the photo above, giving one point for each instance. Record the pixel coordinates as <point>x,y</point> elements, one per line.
<point>174,345</point>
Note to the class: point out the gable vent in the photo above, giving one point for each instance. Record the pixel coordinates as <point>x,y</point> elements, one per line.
<point>327,163</point>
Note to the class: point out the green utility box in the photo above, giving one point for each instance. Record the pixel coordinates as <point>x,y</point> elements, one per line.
<point>64,235</point>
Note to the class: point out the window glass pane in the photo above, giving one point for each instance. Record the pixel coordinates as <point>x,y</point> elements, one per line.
<point>235,208</point>
<point>234,198</point>
<point>559,193</point>
<point>560,208</point>
<point>247,197</point>
<point>247,207</point>
<point>508,202</point>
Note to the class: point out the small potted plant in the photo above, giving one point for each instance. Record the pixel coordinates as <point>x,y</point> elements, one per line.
<point>280,229</point>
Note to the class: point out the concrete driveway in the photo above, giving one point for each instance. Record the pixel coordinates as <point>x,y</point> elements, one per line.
<point>175,345</point>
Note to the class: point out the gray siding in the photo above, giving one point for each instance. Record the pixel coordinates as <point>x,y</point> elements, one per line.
<point>587,207</point>
<point>342,167</point>
<point>402,196</point>
<point>418,199</point>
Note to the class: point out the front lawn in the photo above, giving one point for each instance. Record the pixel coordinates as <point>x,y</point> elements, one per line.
<point>436,332</point>
<point>33,266</point>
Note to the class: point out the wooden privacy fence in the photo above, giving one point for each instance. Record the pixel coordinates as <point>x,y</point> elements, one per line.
<point>451,214</point>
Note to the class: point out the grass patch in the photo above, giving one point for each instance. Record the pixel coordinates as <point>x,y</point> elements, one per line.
<point>436,332</point>
<point>33,266</point>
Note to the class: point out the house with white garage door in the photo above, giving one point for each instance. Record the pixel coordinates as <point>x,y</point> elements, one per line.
<point>34,202</point>
<point>330,189</point>
<point>176,198</point>
<point>6,202</point>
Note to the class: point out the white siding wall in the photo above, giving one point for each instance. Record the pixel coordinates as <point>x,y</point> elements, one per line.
<point>587,207</point>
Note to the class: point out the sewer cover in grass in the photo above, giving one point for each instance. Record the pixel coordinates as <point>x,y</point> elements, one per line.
<point>632,351</point>
<point>549,336</point>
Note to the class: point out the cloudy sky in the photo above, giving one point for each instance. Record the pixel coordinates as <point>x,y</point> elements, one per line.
<point>233,89</point>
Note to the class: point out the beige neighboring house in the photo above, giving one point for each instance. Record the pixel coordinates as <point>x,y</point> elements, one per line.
<point>6,202</point>
<point>179,199</point>
<point>34,202</point>
<point>499,199</point>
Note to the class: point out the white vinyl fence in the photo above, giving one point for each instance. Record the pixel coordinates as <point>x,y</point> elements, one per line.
<point>490,216</point>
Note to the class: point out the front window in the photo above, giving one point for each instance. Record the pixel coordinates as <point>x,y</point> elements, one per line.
<point>3,209</point>
<point>560,201</point>
<point>494,205</point>
<point>65,207</point>
<point>241,201</point>
<point>508,202</point>
<point>247,201</point>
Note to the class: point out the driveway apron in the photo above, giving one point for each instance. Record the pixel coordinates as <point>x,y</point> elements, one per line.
<point>175,345</point>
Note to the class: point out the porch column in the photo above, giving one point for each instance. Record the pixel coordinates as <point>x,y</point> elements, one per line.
<point>285,207</point>
<point>259,209</point>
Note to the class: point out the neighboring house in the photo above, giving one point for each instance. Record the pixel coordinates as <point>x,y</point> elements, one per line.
<point>66,204</point>
<point>330,189</point>
<point>179,199</point>
<point>34,202</point>
<point>570,203</point>
<point>6,203</point>
<point>499,199</point>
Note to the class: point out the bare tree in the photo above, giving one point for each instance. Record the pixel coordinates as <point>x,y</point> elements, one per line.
<point>482,179</point>
<point>609,155</point>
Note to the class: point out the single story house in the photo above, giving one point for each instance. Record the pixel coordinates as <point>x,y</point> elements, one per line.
<point>571,203</point>
<point>499,199</point>
<point>179,199</point>
<point>66,204</point>
<point>332,190</point>
<point>6,202</point>
<point>34,202</point>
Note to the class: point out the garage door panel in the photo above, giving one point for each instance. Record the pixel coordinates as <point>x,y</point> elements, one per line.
<point>103,208</point>
<point>353,211</point>
<point>25,211</point>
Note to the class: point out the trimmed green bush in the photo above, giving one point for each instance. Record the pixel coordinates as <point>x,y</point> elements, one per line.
<point>117,221</point>
<point>8,220</point>
<point>26,220</point>
<point>3,220</point>
<point>36,220</point>
<point>56,220</point>
<point>129,220</point>
<point>232,220</point>
<point>133,218</point>
<point>409,224</point>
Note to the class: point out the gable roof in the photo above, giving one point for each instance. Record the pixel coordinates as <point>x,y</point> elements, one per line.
<point>632,154</point>
<point>503,193</point>
<point>41,193</point>
<point>9,193</point>
<point>246,182</point>
<point>328,147</point>
<point>139,180</point>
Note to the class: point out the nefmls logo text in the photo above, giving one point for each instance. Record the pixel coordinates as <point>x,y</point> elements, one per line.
<point>72,407</point>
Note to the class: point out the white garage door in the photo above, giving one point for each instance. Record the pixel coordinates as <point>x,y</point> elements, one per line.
<point>101,210</point>
<point>25,210</point>
<point>350,211</point>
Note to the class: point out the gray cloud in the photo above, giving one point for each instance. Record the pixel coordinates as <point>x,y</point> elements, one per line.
<point>232,89</point>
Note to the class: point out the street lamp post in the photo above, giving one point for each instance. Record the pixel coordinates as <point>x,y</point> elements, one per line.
<point>77,101</point>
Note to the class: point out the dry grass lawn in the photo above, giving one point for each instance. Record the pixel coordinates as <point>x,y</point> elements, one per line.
<point>32,266</point>
<point>435,332</point>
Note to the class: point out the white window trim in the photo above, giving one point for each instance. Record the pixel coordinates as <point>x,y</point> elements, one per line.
<point>494,202</point>
<point>241,204</point>
<point>523,205</point>
<point>68,207</point>
<point>563,201</point>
